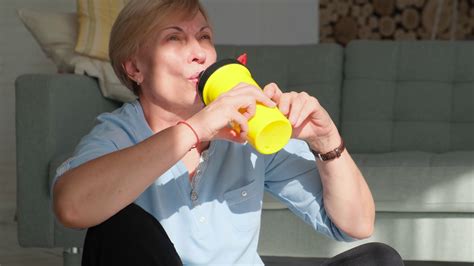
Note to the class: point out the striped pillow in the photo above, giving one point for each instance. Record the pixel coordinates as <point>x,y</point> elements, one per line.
<point>96,18</point>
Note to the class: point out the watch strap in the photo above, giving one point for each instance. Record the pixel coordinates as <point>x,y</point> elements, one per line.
<point>336,153</point>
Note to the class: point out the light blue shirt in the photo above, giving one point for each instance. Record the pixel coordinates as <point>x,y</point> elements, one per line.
<point>216,218</point>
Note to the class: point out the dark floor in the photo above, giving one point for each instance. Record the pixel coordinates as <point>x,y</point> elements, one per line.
<point>286,261</point>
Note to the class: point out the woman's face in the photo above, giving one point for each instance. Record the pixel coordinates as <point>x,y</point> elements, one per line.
<point>171,61</point>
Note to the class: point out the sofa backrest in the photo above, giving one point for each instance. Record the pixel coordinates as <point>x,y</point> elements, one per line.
<point>316,69</point>
<point>408,96</point>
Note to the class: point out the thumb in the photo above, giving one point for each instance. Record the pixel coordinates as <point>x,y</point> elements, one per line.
<point>230,135</point>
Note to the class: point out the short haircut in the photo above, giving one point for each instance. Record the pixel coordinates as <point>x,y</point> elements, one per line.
<point>139,20</point>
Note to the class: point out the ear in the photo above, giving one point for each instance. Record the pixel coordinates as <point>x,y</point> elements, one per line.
<point>131,68</point>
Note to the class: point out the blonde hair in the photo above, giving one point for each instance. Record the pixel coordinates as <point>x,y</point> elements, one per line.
<point>136,22</point>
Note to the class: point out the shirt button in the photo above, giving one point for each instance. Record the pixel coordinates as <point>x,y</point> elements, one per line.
<point>244,193</point>
<point>202,219</point>
<point>194,196</point>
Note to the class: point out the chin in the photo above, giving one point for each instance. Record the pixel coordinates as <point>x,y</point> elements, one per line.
<point>198,102</point>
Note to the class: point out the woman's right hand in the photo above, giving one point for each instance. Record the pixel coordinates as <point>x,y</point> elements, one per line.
<point>234,107</point>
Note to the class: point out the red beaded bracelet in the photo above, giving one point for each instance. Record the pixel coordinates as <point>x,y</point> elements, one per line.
<point>194,131</point>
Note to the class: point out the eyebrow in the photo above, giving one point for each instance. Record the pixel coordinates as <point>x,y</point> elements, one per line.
<point>181,30</point>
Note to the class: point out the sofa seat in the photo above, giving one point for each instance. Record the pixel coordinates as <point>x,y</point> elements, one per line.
<point>419,196</point>
<point>420,181</point>
<point>415,181</point>
<point>418,236</point>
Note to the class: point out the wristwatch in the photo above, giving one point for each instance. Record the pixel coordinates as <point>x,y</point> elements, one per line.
<point>336,153</point>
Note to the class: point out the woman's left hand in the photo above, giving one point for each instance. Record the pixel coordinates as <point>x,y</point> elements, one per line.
<point>310,121</point>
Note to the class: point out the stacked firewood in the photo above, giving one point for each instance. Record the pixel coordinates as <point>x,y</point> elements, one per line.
<point>344,20</point>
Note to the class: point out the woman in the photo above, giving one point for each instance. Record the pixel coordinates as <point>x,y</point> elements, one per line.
<point>164,181</point>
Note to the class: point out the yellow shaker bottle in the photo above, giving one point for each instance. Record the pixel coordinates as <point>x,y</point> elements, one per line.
<point>269,129</point>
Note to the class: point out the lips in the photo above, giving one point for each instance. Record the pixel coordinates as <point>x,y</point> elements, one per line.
<point>195,75</point>
<point>195,78</point>
<point>194,81</point>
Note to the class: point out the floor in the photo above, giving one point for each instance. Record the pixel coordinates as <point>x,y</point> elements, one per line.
<point>11,254</point>
<point>285,261</point>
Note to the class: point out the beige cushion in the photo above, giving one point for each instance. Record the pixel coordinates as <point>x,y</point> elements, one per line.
<point>109,84</point>
<point>55,32</point>
<point>96,18</point>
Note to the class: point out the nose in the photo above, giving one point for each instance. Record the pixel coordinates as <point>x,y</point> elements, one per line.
<point>198,53</point>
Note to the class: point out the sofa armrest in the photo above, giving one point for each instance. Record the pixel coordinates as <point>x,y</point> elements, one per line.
<point>53,111</point>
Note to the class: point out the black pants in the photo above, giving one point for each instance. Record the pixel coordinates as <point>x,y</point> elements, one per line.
<point>130,237</point>
<point>135,237</point>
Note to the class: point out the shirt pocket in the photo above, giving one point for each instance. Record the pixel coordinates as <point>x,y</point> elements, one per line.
<point>245,205</point>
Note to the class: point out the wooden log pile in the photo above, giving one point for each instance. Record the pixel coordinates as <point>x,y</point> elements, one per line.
<point>344,20</point>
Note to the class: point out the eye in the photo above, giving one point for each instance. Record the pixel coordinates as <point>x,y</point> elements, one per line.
<point>205,37</point>
<point>173,38</point>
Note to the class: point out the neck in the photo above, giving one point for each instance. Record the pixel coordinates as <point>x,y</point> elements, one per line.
<point>160,115</point>
<point>159,118</point>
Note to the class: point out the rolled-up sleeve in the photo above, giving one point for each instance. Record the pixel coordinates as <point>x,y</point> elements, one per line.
<point>292,177</point>
<point>100,141</point>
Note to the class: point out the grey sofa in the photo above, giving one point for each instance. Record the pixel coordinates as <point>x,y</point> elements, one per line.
<point>405,110</point>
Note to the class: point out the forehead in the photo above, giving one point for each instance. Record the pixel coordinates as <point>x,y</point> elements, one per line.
<point>184,21</point>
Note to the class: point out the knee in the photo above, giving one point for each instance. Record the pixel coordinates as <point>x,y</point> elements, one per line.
<point>383,254</point>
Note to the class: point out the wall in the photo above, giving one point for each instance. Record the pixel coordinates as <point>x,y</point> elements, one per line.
<point>260,22</point>
<point>343,21</point>
<point>264,21</point>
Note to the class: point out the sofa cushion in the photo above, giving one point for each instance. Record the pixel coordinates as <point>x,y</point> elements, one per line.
<point>316,69</point>
<point>414,181</point>
<point>416,236</point>
<point>55,32</point>
<point>96,18</point>
<point>400,96</point>
<point>420,181</point>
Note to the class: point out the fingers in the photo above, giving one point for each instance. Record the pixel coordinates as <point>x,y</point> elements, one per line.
<point>273,92</point>
<point>238,105</point>
<point>245,104</point>
<point>285,102</point>
<point>249,111</point>
<point>228,117</point>
<point>298,107</point>
<point>236,129</point>
<point>239,124</point>
<point>250,90</point>
<point>297,104</point>
<point>231,135</point>
<point>310,105</point>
